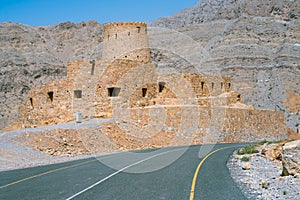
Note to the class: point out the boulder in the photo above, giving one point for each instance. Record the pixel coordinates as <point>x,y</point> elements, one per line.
<point>272,151</point>
<point>291,158</point>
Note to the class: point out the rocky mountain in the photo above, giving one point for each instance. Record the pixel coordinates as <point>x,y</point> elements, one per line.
<point>211,10</point>
<point>255,42</point>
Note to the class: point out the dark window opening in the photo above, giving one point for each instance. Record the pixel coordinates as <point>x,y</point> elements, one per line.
<point>128,33</point>
<point>125,56</point>
<point>139,29</point>
<point>78,94</point>
<point>145,30</point>
<point>138,56</point>
<point>31,102</point>
<point>144,91</point>
<point>229,85</point>
<point>222,85</point>
<point>202,85</point>
<point>212,85</point>
<point>239,97</point>
<point>161,86</point>
<point>108,37</point>
<point>50,95</point>
<point>113,91</point>
<point>116,36</point>
<point>93,67</point>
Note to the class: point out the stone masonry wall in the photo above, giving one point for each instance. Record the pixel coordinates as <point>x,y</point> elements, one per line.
<point>48,104</point>
<point>125,77</point>
<point>58,101</point>
<point>124,85</point>
<point>126,40</point>
<point>86,91</point>
<point>206,125</point>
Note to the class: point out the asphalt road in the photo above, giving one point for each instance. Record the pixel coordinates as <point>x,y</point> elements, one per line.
<point>169,173</point>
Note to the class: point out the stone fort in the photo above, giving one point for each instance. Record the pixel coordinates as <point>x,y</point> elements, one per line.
<point>125,85</point>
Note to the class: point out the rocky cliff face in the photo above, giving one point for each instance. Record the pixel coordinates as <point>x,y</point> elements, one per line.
<point>211,10</point>
<point>255,42</point>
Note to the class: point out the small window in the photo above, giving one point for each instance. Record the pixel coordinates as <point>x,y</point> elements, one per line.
<point>31,102</point>
<point>113,91</point>
<point>144,92</point>
<point>125,56</point>
<point>229,85</point>
<point>78,94</point>
<point>161,86</point>
<point>139,29</point>
<point>202,85</point>
<point>108,37</point>
<point>128,33</point>
<point>116,36</point>
<point>50,96</point>
<point>222,84</point>
<point>212,86</point>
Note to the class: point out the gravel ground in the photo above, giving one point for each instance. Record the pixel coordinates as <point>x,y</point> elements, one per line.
<point>15,156</point>
<point>263,180</point>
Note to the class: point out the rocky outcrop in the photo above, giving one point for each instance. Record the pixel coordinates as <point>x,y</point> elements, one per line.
<point>272,152</point>
<point>291,158</point>
<point>261,177</point>
<point>287,153</point>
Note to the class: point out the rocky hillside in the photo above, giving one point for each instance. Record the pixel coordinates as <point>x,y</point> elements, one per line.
<point>256,43</point>
<point>211,10</point>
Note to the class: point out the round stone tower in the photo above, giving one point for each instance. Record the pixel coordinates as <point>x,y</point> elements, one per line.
<point>126,40</point>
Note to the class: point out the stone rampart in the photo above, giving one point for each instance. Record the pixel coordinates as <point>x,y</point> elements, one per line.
<point>126,40</point>
<point>209,125</point>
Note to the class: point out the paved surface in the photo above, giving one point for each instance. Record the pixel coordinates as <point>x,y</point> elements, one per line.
<point>131,178</point>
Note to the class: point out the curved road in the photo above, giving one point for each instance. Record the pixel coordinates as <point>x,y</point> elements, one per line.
<point>188,177</point>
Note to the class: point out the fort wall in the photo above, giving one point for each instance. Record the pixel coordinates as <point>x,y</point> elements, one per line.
<point>210,125</point>
<point>124,85</point>
<point>126,40</point>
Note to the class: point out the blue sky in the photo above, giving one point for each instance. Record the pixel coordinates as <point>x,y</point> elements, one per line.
<point>47,12</point>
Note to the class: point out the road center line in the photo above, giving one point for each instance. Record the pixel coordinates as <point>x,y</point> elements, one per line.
<point>192,192</point>
<point>119,171</point>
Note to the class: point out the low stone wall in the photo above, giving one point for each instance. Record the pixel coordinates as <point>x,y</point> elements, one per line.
<point>203,124</point>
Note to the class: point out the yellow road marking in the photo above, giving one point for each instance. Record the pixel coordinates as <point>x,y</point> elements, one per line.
<point>192,193</point>
<point>48,172</point>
